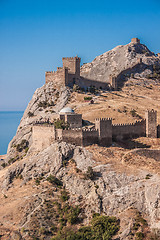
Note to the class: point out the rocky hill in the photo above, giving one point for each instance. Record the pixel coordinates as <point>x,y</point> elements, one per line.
<point>119,59</point>
<point>58,189</point>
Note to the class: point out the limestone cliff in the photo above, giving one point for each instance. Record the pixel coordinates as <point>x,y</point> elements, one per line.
<point>125,180</point>
<point>119,59</point>
<point>46,102</point>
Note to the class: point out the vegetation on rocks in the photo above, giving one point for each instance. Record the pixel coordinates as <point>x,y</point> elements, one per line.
<point>100,228</point>
<point>22,146</point>
<point>90,174</point>
<point>45,104</point>
<point>30,114</point>
<point>55,181</point>
<point>61,124</point>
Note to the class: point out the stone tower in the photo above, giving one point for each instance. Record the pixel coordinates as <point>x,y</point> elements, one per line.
<point>135,40</point>
<point>104,127</point>
<point>151,123</point>
<point>73,65</point>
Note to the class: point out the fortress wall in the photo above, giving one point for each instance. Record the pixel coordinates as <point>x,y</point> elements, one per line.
<point>73,136</point>
<point>75,120</point>
<point>104,127</point>
<point>151,123</point>
<point>57,77</point>
<point>85,82</point>
<point>42,136</point>
<point>73,65</point>
<point>71,79</point>
<point>127,131</point>
<point>90,137</point>
<point>69,63</point>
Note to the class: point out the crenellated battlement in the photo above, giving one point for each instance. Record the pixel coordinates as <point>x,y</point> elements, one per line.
<point>151,123</point>
<point>103,133</point>
<point>71,58</point>
<point>135,40</point>
<point>128,124</point>
<point>152,111</point>
<point>90,130</point>
<point>103,119</point>
<point>50,72</point>
<point>73,129</point>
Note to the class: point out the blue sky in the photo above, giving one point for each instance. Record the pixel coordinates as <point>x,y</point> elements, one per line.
<point>36,34</point>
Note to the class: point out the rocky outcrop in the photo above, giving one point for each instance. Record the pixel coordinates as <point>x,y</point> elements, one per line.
<point>119,59</point>
<point>110,192</point>
<point>46,102</point>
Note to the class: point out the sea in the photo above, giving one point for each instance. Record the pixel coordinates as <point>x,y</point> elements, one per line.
<point>9,122</point>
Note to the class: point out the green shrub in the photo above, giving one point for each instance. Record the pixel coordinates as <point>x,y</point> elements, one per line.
<point>64,196</point>
<point>87,98</point>
<point>12,160</point>
<point>61,124</point>
<point>136,226</point>
<point>26,149</point>
<point>133,112</point>
<point>4,164</point>
<point>37,181</point>
<point>101,228</point>
<point>45,104</point>
<point>148,176</point>
<point>72,216</point>
<point>23,145</point>
<point>55,181</point>
<point>30,114</point>
<point>139,236</point>
<point>90,173</point>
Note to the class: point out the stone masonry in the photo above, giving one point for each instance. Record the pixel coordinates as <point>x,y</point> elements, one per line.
<point>151,124</point>
<point>103,133</point>
<point>69,74</point>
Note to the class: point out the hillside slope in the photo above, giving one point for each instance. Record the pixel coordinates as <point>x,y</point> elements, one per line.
<point>118,59</point>
<point>126,175</point>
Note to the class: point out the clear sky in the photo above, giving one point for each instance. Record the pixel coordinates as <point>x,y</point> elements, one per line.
<point>36,34</point>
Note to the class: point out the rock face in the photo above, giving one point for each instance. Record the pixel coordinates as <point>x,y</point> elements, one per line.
<point>46,102</point>
<point>111,192</point>
<point>116,192</point>
<point>119,59</point>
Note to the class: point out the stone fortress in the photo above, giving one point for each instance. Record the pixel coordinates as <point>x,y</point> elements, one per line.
<point>103,132</point>
<point>70,74</point>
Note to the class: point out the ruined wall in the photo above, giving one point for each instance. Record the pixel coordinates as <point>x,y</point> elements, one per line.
<point>137,67</point>
<point>73,136</point>
<point>90,137</point>
<point>42,136</point>
<point>113,82</point>
<point>135,40</point>
<point>85,83</point>
<point>128,131</point>
<point>151,123</point>
<point>60,76</point>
